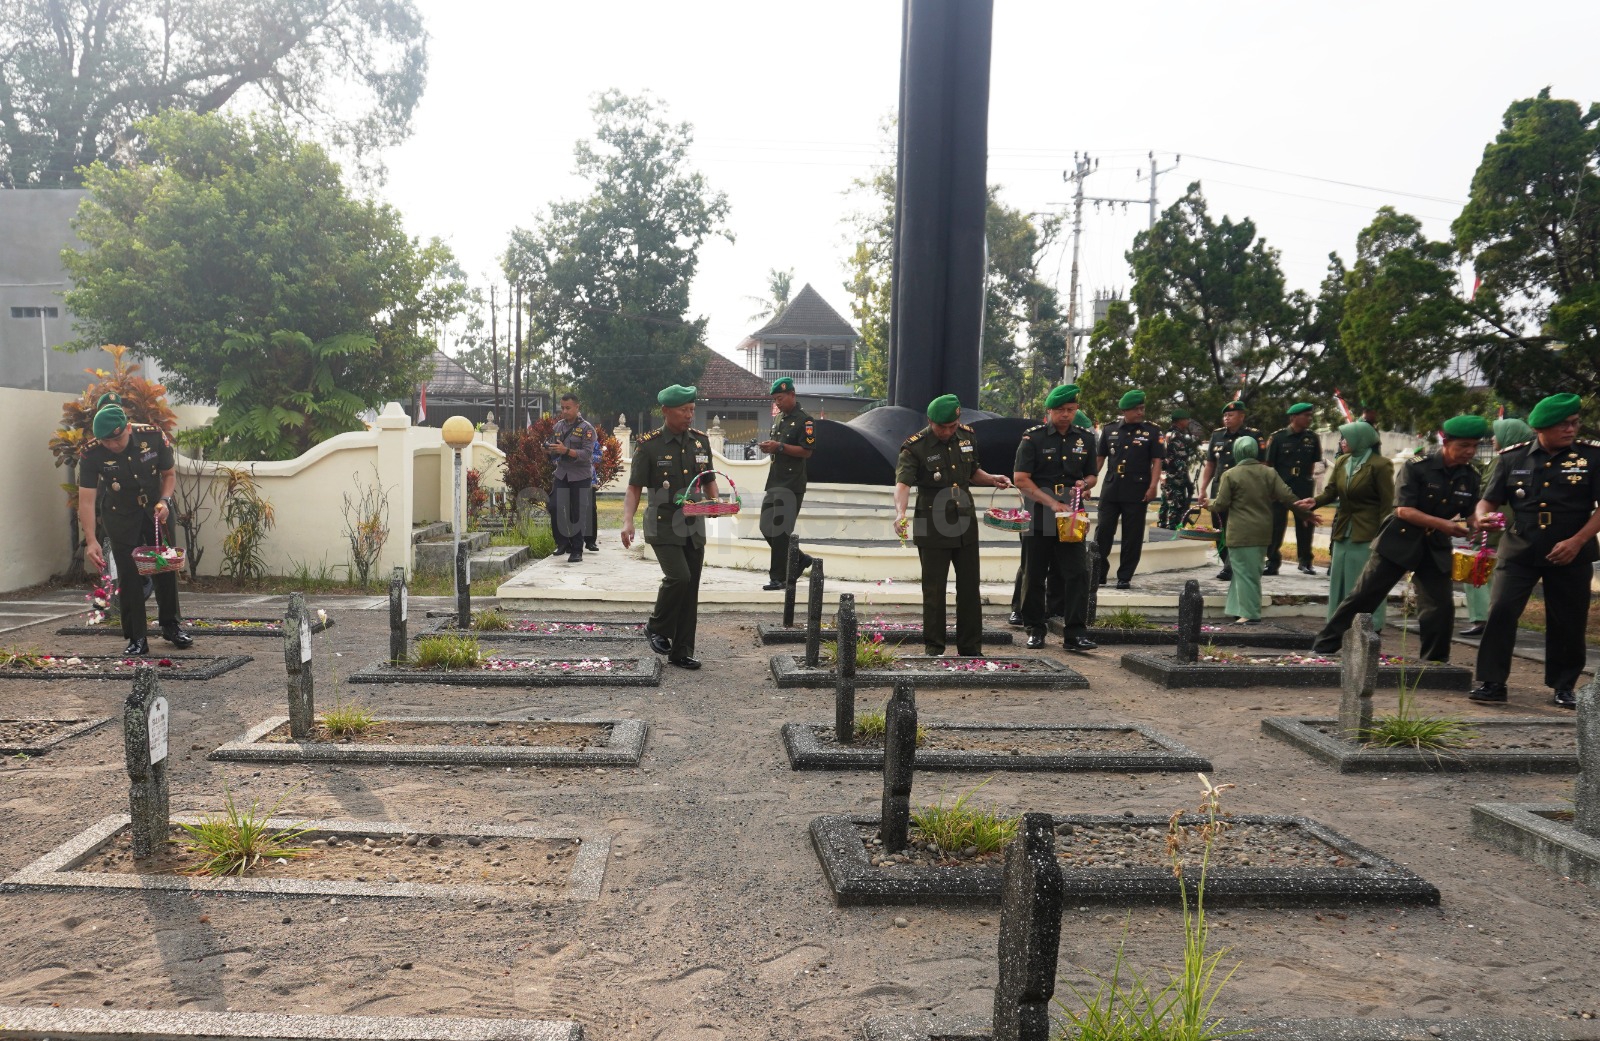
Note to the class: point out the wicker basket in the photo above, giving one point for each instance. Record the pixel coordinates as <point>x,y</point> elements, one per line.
<point>1007,520</point>
<point>693,507</point>
<point>157,559</point>
<point>1187,529</point>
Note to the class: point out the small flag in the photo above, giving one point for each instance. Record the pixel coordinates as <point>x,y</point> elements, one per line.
<point>1344,409</point>
<point>1501,414</point>
<point>422,404</point>
<point>1477,280</point>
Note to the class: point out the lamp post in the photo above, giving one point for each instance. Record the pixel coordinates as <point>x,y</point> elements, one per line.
<point>458,434</point>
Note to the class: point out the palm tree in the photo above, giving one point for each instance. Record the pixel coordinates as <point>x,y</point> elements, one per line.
<point>779,284</point>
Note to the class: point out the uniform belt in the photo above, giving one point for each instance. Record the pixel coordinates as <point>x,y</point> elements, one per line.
<point>143,500</point>
<point>1545,520</point>
<point>1121,469</point>
<point>1059,489</point>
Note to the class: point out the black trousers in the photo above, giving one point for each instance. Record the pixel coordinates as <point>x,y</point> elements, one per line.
<point>1436,608</point>
<point>936,564</point>
<point>1566,619</point>
<point>130,587</point>
<point>1055,591</point>
<point>1131,516</point>
<point>592,532</point>
<point>677,611</point>
<point>1071,559</point>
<point>1302,537</point>
<point>571,506</point>
<point>780,510</point>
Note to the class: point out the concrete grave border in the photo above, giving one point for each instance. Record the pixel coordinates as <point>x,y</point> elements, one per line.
<point>448,625</point>
<point>55,870</point>
<point>807,752</point>
<point>625,748</point>
<point>201,633</point>
<point>789,671</point>
<point>215,665</point>
<point>923,1027</point>
<point>1266,634</point>
<point>1528,830</point>
<point>1166,670</point>
<point>1350,757</point>
<point>853,882</point>
<point>83,1024</point>
<point>74,728</point>
<point>646,673</point>
<point>770,633</point>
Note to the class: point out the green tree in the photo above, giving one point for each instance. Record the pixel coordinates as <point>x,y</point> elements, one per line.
<point>76,76</point>
<point>780,284</point>
<point>240,262</point>
<point>608,275</point>
<point>870,285</point>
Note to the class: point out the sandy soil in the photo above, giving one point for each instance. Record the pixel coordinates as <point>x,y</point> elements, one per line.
<point>714,921</point>
<point>1018,742</point>
<point>512,733</point>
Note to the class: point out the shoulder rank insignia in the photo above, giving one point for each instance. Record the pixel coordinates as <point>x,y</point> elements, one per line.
<point>645,437</point>
<point>1589,442</point>
<point>913,439</point>
<point>963,428</point>
<point>1522,444</point>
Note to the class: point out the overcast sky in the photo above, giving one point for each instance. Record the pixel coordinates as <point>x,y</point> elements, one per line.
<point>1271,105</point>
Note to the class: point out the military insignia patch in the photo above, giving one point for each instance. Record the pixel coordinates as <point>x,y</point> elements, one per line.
<point>811,432</point>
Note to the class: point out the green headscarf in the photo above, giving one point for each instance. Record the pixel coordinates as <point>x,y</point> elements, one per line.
<point>1245,447</point>
<point>1360,438</point>
<point>1508,432</point>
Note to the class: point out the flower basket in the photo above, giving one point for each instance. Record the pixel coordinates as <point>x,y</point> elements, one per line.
<point>157,559</point>
<point>1073,526</point>
<point>1004,519</point>
<point>693,507</point>
<point>1195,532</point>
<point>1473,564</point>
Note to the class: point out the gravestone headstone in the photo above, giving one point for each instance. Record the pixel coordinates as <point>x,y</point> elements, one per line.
<point>1586,802</point>
<point>144,740</point>
<point>297,666</point>
<point>1358,678</point>
<point>397,616</point>
<point>844,673</point>
<point>1031,894</point>
<point>1191,610</point>
<point>814,615</point>
<point>463,589</point>
<point>1092,550</point>
<point>899,763</point>
<point>791,578</point>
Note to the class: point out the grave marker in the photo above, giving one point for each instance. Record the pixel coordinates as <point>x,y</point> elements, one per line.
<point>899,763</point>
<point>144,740</point>
<point>463,585</point>
<point>1031,893</point>
<point>1358,678</point>
<point>1093,551</point>
<point>1586,802</point>
<point>844,683</point>
<point>297,666</point>
<point>1191,610</point>
<point>814,615</point>
<point>397,616</point>
<point>790,580</point>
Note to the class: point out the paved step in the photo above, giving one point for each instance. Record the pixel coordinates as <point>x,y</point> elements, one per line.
<point>429,532</point>
<point>440,555</point>
<point>498,560</point>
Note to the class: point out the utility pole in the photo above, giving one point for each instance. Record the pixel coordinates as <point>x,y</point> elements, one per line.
<point>516,373</point>
<point>1154,174</point>
<point>494,351</point>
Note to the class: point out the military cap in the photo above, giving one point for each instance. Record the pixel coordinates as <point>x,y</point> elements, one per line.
<point>1081,419</point>
<point>944,409</point>
<point>1065,394</point>
<point>1179,413</point>
<point>110,397</point>
<point>1233,406</point>
<point>1132,399</point>
<point>1299,407</point>
<point>1553,410</point>
<point>109,420</point>
<point>782,385</point>
<point>1472,427</point>
<point>675,395</point>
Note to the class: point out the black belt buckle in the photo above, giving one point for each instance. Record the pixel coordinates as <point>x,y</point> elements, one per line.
<point>1059,489</point>
<point>1121,469</point>
<point>1294,471</point>
<point>1545,520</point>
<point>144,500</point>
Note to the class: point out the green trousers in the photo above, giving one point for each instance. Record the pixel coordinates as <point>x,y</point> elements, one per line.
<point>1348,560</point>
<point>1477,599</point>
<point>936,561</point>
<point>677,611</point>
<point>1244,589</point>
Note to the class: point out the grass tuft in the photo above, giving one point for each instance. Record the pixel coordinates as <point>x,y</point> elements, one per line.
<point>239,839</point>
<point>492,620</point>
<point>346,718</point>
<point>447,651</point>
<point>874,726</point>
<point>1124,618</point>
<point>957,826</point>
<point>871,653</point>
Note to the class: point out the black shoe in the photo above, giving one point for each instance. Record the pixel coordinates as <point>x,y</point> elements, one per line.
<point>772,587</point>
<point>1035,641</point>
<point>684,661</point>
<point>1081,644</point>
<point>575,557</point>
<point>805,564</point>
<point>658,643</point>
<point>141,646</point>
<point>1475,629</point>
<point>1489,691</point>
<point>1307,569</point>
<point>1566,699</point>
<point>1225,575</point>
<point>1014,620</point>
<point>178,638</point>
<point>1270,569</point>
<point>1123,583</point>
<point>591,547</point>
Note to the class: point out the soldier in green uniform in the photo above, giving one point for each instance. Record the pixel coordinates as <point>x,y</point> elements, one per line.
<point>1219,457</point>
<point>1177,483</point>
<point>1551,488</point>
<point>665,463</point>
<point>1056,464</point>
<point>131,466</point>
<point>1132,452</point>
<point>1292,452</point>
<point>794,438</point>
<point>941,462</point>
<point>1430,493</point>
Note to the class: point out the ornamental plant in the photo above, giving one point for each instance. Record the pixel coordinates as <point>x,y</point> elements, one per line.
<point>958,826</point>
<point>238,840</point>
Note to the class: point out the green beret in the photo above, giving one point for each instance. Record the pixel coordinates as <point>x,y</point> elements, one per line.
<point>1473,427</point>
<point>944,409</point>
<point>1065,394</point>
<point>1132,399</point>
<point>1081,419</point>
<point>1179,413</point>
<point>1299,407</point>
<point>110,397</point>
<point>1553,410</point>
<point>675,395</point>
<point>109,420</point>
<point>1233,406</point>
<point>783,385</point>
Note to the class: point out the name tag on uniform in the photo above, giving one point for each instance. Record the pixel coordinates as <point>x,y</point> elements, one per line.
<point>966,448</point>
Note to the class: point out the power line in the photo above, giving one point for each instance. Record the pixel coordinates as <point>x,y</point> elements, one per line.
<point>1329,180</point>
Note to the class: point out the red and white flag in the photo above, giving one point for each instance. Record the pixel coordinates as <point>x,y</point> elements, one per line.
<point>422,404</point>
<point>1344,409</point>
